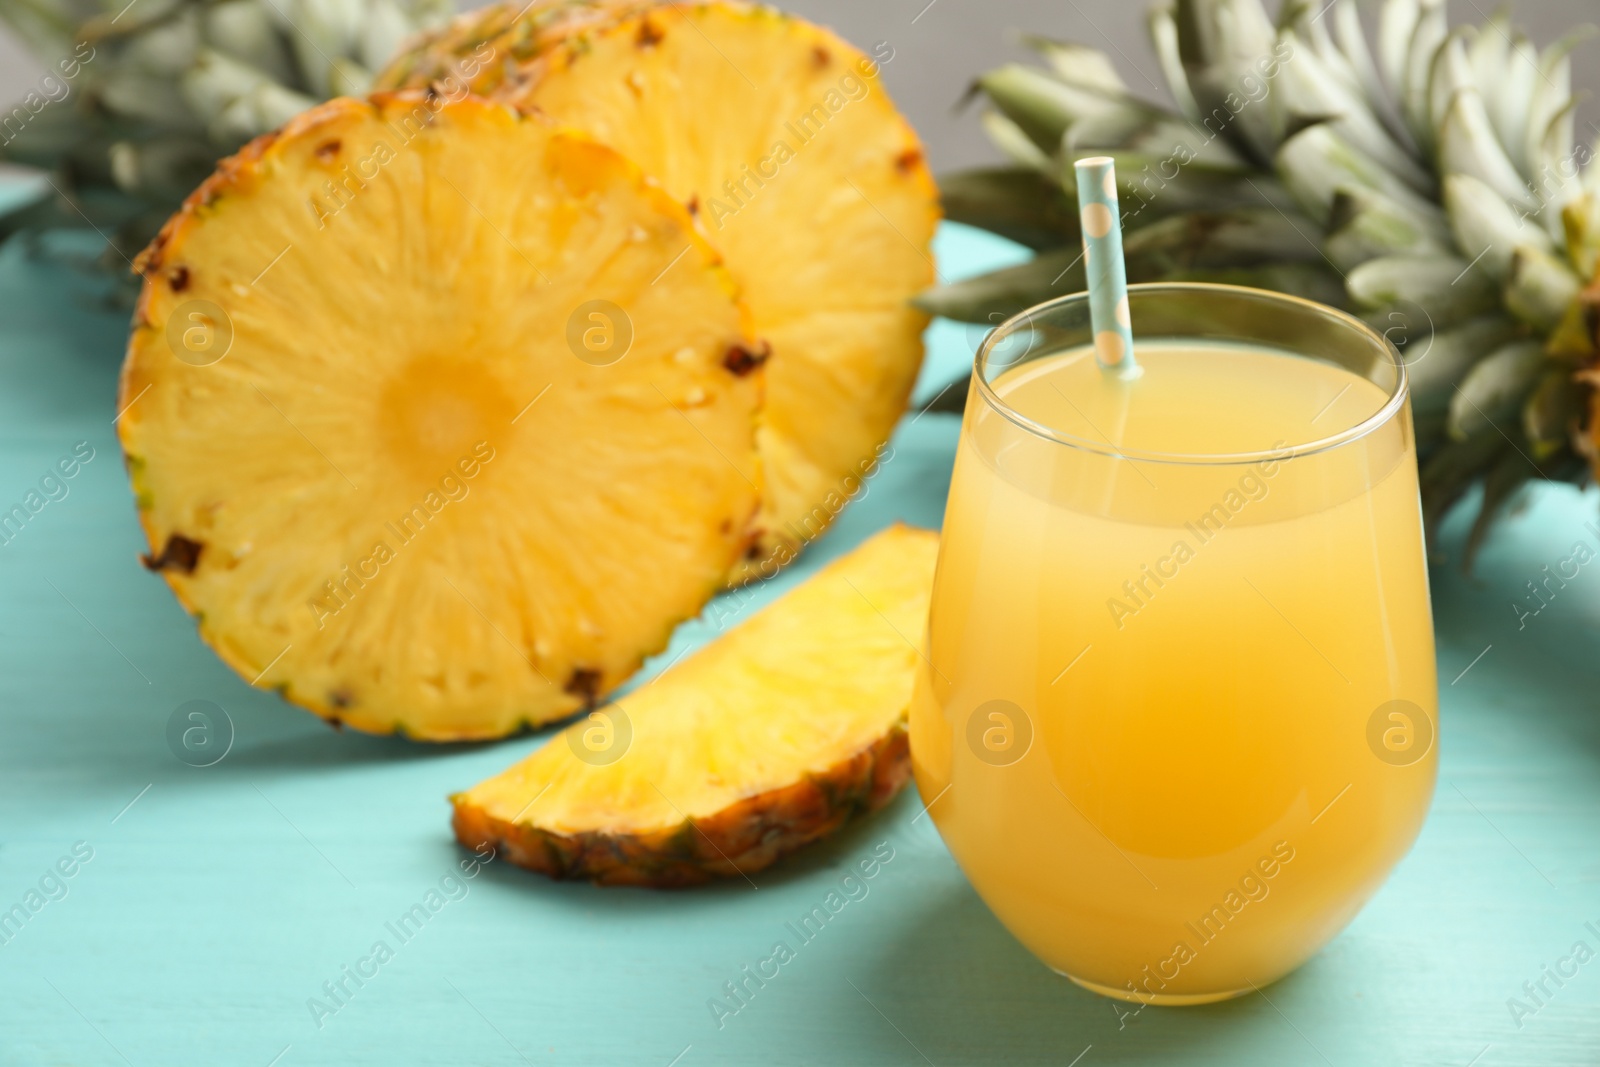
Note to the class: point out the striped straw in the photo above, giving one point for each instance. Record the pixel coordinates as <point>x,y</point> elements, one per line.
<point>1102,260</point>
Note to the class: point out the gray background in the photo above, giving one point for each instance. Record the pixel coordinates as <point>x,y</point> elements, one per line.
<point>940,47</point>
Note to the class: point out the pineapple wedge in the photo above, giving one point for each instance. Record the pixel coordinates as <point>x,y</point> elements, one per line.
<point>803,174</point>
<point>772,736</point>
<point>438,420</point>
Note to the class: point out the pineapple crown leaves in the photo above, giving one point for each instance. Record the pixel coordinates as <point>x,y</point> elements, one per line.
<point>1429,178</point>
<point>158,90</point>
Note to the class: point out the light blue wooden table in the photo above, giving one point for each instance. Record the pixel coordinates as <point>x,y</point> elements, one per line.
<point>219,900</point>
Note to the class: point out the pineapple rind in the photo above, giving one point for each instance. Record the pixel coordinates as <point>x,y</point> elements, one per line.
<point>745,838</point>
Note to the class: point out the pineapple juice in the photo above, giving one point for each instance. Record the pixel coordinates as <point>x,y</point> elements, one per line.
<point>1177,718</point>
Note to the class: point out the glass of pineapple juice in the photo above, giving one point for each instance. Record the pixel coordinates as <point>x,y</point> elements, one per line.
<point>1178,714</point>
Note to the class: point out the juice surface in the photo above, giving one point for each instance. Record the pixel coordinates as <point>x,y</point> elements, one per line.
<point>1179,719</point>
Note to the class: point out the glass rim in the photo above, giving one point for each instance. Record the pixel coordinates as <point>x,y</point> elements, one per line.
<point>1391,406</point>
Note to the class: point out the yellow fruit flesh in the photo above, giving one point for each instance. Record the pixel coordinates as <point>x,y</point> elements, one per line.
<point>420,510</point>
<point>805,178</point>
<point>809,682</point>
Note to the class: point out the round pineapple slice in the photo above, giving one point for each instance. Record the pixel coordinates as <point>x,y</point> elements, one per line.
<point>803,175</point>
<point>772,736</point>
<point>438,420</point>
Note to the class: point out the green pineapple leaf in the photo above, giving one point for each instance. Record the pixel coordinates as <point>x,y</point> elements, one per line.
<point>146,98</point>
<point>1429,180</point>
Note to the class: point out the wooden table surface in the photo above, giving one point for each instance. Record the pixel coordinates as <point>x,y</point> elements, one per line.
<point>207,906</point>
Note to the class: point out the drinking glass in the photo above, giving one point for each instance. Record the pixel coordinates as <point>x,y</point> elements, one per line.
<point>1178,715</point>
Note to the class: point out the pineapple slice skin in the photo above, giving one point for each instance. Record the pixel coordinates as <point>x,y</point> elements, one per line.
<point>176,557</point>
<point>836,387</point>
<point>616,825</point>
<point>743,839</point>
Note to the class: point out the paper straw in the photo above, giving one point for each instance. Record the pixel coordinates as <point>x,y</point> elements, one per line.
<point>1104,267</point>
